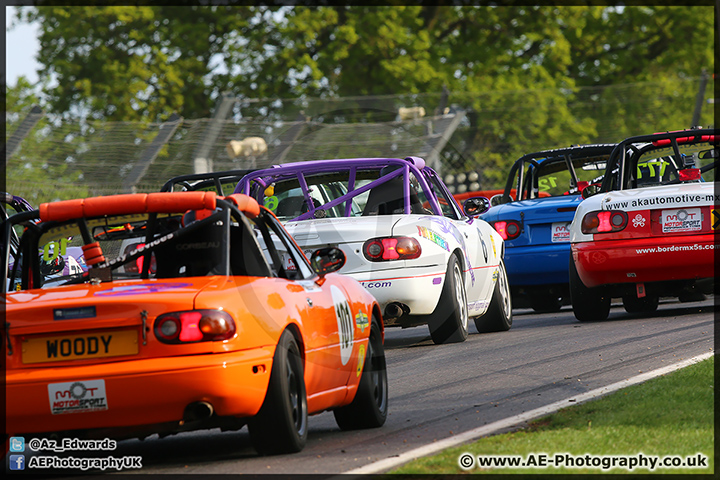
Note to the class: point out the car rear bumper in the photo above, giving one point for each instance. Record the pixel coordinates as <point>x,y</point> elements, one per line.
<point>141,392</point>
<point>537,264</point>
<point>418,288</point>
<point>645,260</point>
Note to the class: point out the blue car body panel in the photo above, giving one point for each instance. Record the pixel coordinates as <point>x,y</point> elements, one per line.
<point>548,185</point>
<point>534,258</point>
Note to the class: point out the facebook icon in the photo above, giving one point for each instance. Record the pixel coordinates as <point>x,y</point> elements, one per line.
<point>17,462</point>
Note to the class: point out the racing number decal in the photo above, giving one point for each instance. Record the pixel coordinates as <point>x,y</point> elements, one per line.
<point>653,167</point>
<point>53,250</point>
<point>547,183</point>
<point>271,203</point>
<point>345,323</point>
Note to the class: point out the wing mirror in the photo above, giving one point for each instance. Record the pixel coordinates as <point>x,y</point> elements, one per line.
<point>327,260</point>
<point>496,200</point>
<point>475,206</point>
<point>590,190</point>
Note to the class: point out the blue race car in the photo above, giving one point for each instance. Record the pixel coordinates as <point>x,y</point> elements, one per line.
<point>535,224</point>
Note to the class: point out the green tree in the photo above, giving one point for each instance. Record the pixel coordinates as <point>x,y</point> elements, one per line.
<point>125,63</point>
<point>528,76</point>
<point>30,172</point>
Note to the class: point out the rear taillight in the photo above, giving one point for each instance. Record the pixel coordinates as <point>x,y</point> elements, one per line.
<point>391,248</point>
<point>508,229</point>
<point>604,222</point>
<point>689,174</point>
<point>194,326</point>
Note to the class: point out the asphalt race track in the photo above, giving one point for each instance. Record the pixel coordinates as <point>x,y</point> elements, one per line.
<point>437,391</point>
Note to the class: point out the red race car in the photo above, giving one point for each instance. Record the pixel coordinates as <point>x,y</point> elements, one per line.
<point>651,229</point>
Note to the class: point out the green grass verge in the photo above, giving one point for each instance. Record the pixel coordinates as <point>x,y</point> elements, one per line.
<point>672,415</point>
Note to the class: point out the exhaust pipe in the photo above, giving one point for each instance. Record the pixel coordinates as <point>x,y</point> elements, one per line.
<point>395,310</point>
<point>198,411</point>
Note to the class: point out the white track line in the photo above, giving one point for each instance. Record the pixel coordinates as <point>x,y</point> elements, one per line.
<point>455,440</point>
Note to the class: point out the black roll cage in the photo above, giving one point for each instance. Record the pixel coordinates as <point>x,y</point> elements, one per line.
<point>225,210</point>
<point>567,154</point>
<point>619,156</point>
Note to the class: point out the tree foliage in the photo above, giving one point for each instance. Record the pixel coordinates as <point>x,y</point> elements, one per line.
<point>123,63</point>
<point>31,175</point>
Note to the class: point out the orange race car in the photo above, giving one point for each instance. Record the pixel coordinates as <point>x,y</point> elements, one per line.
<point>198,325</point>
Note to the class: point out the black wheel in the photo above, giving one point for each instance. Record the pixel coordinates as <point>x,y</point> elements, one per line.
<point>589,304</point>
<point>449,322</point>
<point>370,406</point>
<point>498,317</point>
<point>646,304</point>
<point>281,425</point>
<point>691,295</point>
<point>547,303</point>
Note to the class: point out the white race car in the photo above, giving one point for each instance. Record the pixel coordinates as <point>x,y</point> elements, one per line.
<point>405,238</point>
<point>651,229</point>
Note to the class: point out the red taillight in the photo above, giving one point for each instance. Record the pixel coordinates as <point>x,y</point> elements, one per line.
<point>194,326</point>
<point>689,174</point>
<point>391,248</point>
<point>508,230</point>
<point>604,222</point>
<point>667,141</point>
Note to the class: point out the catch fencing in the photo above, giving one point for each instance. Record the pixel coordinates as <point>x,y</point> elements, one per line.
<point>51,158</point>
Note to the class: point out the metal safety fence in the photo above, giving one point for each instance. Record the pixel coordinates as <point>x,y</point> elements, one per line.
<point>466,135</point>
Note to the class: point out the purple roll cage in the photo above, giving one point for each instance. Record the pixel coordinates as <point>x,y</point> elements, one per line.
<point>256,182</point>
<point>18,203</point>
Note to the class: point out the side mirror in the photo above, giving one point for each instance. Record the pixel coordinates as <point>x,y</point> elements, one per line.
<point>590,190</point>
<point>475,206</point>
<point>327,260</point>
<point>496,200</point>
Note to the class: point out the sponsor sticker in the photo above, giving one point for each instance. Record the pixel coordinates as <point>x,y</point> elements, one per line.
<point>361,360</point>
<point>681,220</point>
<point>560,232</point>
<point>378,284</point>
<point>74,313</point>
<point>480,305</point>
<point>344,321</point>
<point>433,237</point>
<point>638,221</point>
<point>361,320</point>
<point>141,289</point>
<point>289,264</point>
<point>77,397</point>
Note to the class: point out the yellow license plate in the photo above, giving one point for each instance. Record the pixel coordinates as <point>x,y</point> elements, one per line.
<point>80,347</point>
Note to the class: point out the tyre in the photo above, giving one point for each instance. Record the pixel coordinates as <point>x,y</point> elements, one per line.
<point>545,303</point>
<point>281,425</point>
<point>370,406</point>
<point>589,304</point>
<point>498,317</point>
<point>449,322</point>
<point>646,304</point>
